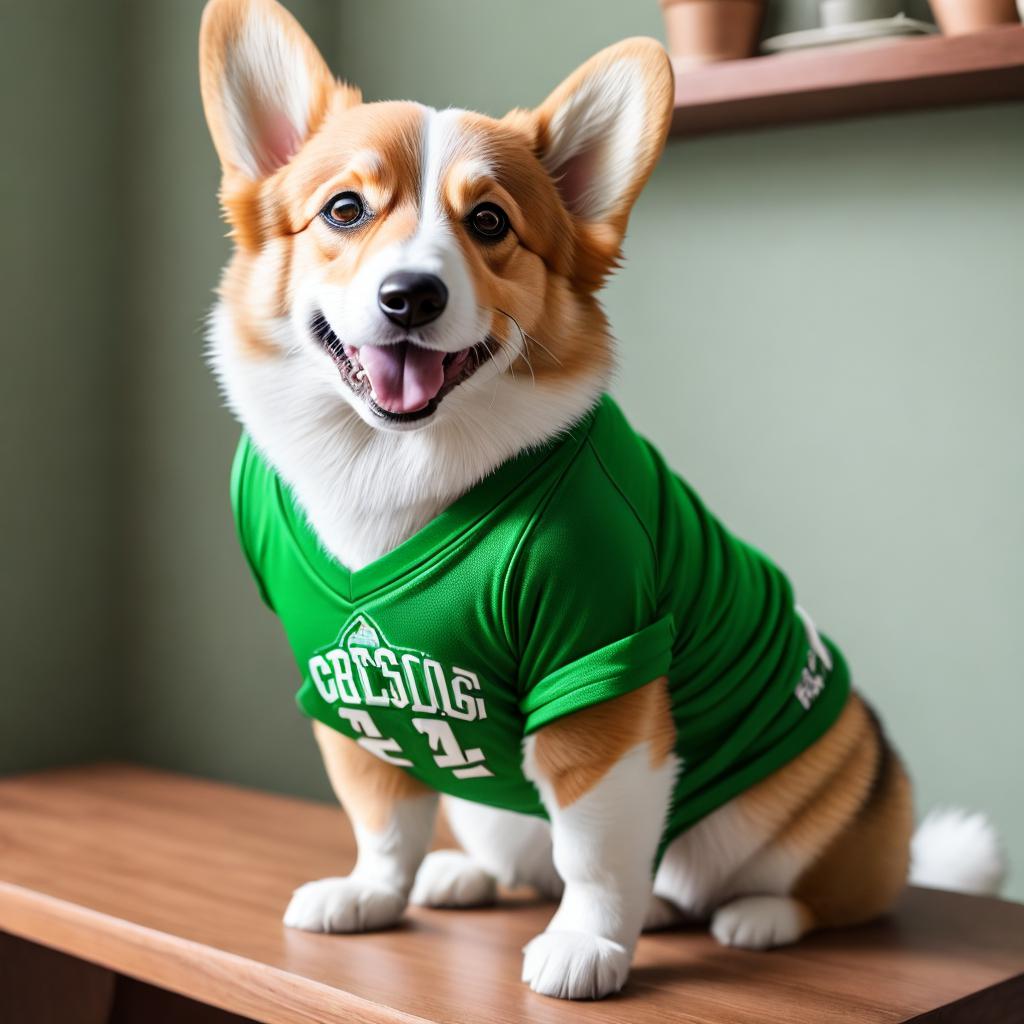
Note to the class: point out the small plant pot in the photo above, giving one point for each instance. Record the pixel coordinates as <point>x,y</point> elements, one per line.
<point>961,17</point>
<point>703,31</point>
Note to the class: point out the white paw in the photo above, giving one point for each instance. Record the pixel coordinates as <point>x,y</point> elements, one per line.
<point>574,965</point>
<point>344,905</point>
<point>759,922</point>
<point>450,878</point>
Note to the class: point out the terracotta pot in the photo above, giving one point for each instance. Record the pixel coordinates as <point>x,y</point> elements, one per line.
<point>960,17</point>
<point>701,31</point>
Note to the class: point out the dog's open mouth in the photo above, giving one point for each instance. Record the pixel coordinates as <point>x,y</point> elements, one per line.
<point>402,381</point>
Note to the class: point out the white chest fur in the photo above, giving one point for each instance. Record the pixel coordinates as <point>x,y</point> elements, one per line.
<point>366,490</point>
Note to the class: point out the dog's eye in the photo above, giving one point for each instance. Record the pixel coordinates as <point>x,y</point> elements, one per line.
<point>488,222</point>
<point>344,210</point>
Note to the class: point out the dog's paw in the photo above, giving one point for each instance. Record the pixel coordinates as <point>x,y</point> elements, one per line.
<point>574,965</point>
<point>344,905</point>
<point>450,878</point>
<point>760,922</point>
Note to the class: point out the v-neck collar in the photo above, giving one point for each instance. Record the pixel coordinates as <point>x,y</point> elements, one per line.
<point>436,537</point>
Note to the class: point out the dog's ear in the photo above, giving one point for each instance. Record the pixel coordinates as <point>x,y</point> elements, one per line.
<point>600,133</point>
<point>265,86</point>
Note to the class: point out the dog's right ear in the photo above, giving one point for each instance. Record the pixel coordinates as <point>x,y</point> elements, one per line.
<point>265,86</point>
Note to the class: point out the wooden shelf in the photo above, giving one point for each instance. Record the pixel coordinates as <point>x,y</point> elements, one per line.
<point>833,82</point>
<point>180,884</point>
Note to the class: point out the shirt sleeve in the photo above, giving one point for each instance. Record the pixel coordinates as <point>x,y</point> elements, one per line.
<point>245,503</point>
<point>585,586</point>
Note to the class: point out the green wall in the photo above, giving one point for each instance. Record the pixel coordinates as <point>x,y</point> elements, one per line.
<point>819,326</point>
<point>58,257</point>
<point>207,681</point>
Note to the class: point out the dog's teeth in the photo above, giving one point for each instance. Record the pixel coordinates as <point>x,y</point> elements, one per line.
<point>360,375</point>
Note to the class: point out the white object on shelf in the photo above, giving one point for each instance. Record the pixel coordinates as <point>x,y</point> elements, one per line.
<point>854,32</point>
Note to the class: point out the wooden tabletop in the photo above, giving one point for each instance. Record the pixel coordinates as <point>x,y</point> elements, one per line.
<point>181,883</point>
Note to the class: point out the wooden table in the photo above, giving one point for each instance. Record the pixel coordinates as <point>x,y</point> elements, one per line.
<point>149,883</point>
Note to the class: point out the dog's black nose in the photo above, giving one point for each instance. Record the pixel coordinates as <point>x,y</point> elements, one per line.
<point>412,300</point>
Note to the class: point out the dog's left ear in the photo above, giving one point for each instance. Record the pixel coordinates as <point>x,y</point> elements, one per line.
<point>600,133</point>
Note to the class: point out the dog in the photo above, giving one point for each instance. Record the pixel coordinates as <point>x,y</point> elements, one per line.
<point>493,587</point>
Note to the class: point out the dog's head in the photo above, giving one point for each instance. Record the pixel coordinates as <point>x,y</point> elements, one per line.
<point>434,271</point>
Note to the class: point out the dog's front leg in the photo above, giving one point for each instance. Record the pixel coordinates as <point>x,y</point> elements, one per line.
<point>605,775</point>
<point>392,815</point>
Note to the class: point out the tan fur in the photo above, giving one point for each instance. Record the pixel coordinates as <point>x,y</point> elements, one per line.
<point>527,278</point>
<point>776,802</point>
<point>842,808</point>
<point>864,868</point>
<point>367,787</point>
<point>280,238</point>
<point>575,752</point>
<point>598,244</point>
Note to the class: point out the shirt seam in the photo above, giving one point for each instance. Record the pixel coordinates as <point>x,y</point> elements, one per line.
<point>538,515</point>
<point>629,504</point>
<point>513,562</point>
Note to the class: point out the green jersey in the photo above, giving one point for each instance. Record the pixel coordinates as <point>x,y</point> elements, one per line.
<point>572,574</point>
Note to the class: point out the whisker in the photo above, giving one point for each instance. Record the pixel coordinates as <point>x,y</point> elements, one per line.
<point>524,352</point>
<point>508,361</point>
<point>526,336</point>
<point>529,364</point>
<point>538,342</point>
<point>494,390</point>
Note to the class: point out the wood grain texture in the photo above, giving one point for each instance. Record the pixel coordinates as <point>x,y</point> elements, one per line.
<point>181,883</point>
<point>835,82</point>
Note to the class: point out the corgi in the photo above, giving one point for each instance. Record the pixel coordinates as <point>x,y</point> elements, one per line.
<point>495,590</point>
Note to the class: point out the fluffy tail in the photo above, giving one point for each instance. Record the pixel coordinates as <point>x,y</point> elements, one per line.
<point>957,850</point>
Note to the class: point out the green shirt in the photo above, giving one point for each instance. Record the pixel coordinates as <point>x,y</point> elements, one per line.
<point>572,574</point>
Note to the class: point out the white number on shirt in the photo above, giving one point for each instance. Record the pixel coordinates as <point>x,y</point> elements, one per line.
<point>371,738</point>
<point>465,764</point>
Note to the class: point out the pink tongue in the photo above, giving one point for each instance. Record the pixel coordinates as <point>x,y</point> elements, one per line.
<point>404,377</point>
